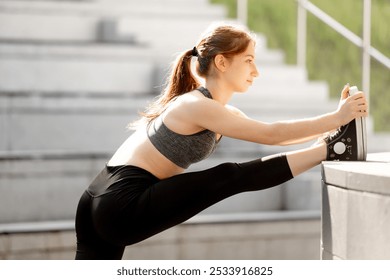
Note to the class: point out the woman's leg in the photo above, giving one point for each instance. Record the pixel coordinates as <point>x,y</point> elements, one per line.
<point>90,246</point>
<point>302,160</point>
<point>176,199</point>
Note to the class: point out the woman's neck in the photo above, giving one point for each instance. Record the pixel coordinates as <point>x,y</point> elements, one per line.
<point>219,92</point>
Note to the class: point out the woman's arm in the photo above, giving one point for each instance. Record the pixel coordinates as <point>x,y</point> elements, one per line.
<point>212,115</point>
<point>238,112</point>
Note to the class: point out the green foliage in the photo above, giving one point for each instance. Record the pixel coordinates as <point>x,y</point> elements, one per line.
<point>330,57</point>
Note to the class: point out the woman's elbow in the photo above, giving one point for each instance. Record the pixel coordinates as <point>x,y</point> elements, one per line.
<point>272,137</point>
<point>271,140</point>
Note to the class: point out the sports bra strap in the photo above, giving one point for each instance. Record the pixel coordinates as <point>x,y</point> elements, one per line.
<point>205,92</point>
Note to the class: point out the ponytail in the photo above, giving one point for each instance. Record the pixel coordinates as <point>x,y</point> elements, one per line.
<point>180,81</point>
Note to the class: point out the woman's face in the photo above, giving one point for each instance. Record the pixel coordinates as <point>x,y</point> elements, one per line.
<point>242,70</point>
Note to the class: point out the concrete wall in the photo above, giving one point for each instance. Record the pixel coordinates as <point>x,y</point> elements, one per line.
<point>356,209</point>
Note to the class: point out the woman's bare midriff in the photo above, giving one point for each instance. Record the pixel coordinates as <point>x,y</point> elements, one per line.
<point>138,151</point>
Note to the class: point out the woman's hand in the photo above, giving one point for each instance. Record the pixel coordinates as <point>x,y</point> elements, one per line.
<point>351,107</point>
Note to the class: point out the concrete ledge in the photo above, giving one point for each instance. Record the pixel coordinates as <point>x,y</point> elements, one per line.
<point>355,209</point>
<point>372,176</point>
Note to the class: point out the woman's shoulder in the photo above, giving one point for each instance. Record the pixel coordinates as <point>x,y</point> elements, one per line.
<point>189,106</point>
<point>235,111</point>
<point>192,98</point>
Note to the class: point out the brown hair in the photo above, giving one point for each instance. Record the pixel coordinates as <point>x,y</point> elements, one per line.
<point>227,40</point>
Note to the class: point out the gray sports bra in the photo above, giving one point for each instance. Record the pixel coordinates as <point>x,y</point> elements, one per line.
<point>182,150</point>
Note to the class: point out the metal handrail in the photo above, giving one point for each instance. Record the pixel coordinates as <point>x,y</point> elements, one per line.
<point>364,43</point>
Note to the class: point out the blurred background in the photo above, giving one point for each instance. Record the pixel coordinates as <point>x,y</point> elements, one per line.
<point>73,74</point>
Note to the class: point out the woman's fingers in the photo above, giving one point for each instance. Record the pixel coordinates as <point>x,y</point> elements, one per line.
<point>359,103</point>
<point>345,92</point>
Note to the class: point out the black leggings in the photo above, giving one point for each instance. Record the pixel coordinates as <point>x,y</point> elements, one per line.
<point>126,204</point>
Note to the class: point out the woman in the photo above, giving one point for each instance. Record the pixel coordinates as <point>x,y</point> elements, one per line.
<point>142,190</point>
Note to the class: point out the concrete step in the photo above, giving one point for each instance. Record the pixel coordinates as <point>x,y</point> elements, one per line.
<point>75,124</point>
<point>282,93</point>
<point>153,3</point>
<point>90,51</point>
<point>79,21</point>
<point>70,69</point>
<point>52,187</point>
<point>113,51</point>
<point>114,7</point>
<point>119,51</point>
<point>154,23</point>
<point>275,74</point>
<point>98,68</point>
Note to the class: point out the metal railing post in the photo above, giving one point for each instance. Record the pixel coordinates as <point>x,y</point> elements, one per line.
<point>301,33</point>
<point>366,57</point>
<point>242,11</point>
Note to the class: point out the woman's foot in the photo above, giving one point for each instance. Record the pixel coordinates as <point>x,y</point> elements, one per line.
<point>347,143</point>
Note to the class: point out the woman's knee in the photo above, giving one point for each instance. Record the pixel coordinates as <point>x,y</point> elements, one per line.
<point>229,170</point>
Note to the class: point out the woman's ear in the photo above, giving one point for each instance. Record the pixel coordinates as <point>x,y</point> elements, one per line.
<point>220,62</point>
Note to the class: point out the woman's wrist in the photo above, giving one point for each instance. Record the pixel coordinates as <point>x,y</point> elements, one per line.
<point>336,119</point>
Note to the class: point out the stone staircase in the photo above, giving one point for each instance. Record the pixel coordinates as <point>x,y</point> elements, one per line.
<point>74,73</point>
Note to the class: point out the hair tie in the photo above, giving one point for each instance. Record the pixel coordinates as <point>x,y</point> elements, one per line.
<point>195,52</point>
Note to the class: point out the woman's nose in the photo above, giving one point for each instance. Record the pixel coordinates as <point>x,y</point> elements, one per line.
<point>255,72</point>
